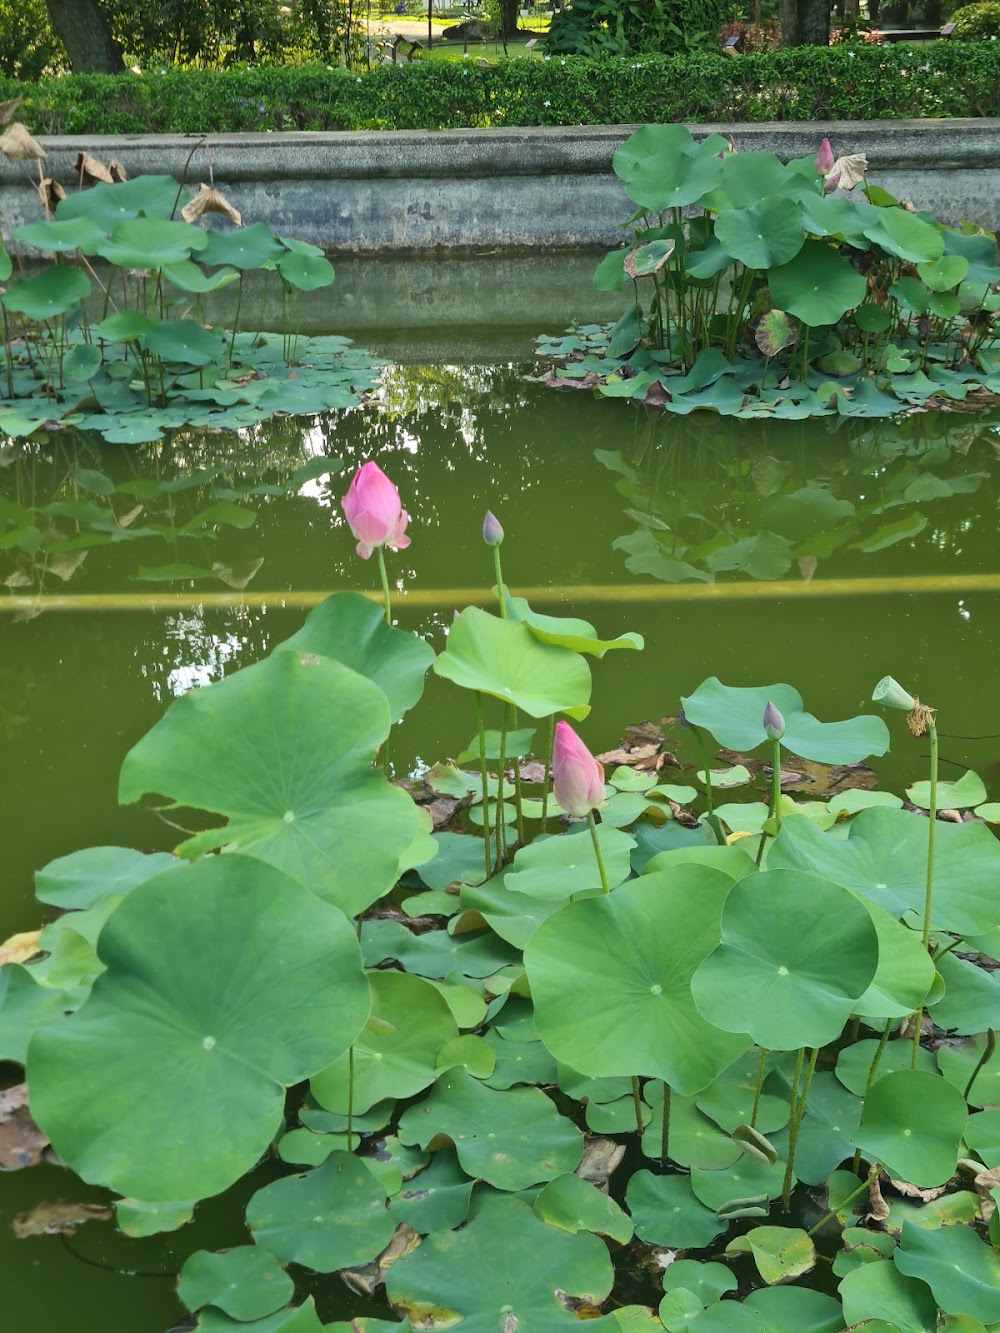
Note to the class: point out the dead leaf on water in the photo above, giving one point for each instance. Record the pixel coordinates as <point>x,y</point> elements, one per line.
<point>915,1192</point>
<point>50,192</point>
<point>985,1182</point>
<point>91,169</point>
<point>58,1218</point>
<point>368,1279</point>
<point>22,1143</point>
<point>601,1158</point>
<point>20,948</point>
<point>878,1209</point>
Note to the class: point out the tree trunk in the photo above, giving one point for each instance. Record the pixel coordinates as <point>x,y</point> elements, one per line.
<point>83,29</point>
<point>804,22</point>
<point>509,15</point>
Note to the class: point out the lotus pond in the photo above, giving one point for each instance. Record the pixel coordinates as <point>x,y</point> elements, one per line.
<point>392,1038</point>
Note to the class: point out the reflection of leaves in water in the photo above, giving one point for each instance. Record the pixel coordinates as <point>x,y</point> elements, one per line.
<point>703,508</point>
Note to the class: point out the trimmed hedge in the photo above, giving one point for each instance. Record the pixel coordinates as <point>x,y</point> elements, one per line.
<point>805,83</point>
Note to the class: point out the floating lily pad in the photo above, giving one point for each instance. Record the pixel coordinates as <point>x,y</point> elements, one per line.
<point>746,1179</point>
<point>437,1198</point>
<point>245,1282</point>
<point>854,1062</point>
<point>149,1219</point>
<point>912,1123</point>
<point>971,1000</point>
<point>780,1253</point>
<point>733,716</point>
<point>826,1134</point>
<point>171,1080</point>
<point>332,1217</point>
<point>83,878</point>
<point>293,1319</point>
<point>510,1139</point>
<point>554,868</point>
<point>445,1278</point>
<point>729,1100</point>
<point>185,341</point>
<point>572,1204</point>
<point>694,1139</point>
<point>962,1271</point>
<point>708,1281</point>
<point>878,1291</point>
<point>611,980</point>
<point>959,1063</point>
<point>284,749</point>
<point>962,794</point>
<point>796,953</point>
<point>666,1212</point>
<point>504,659</point>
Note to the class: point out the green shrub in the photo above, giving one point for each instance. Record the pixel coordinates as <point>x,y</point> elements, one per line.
<point>28,46</point>
<point>978,21</point>
<point>807,83</point>
<point>610,27</point>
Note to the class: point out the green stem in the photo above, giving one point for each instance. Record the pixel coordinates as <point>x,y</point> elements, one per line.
<point>929,889</point>
<point>501,827</point>
<point>665,1130</point>
<point>350,1099</point>
<point>385,585</point>
<point>236,320</point>
<point>597,852</point>
<point>776,785</point>
<point>844,1202</point>
<point>988,1049</point>
<point>798,1111</point>
<point>872,1071</point>
<point>484,772</point>
<point>549,738</point>
<point>518,796</point>
<point>757,1090</point>
<point>710,815</point>
<point>637,1103</point>
<point>501,590</point>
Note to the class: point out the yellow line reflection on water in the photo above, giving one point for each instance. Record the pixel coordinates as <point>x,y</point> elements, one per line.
<point>303,599</point>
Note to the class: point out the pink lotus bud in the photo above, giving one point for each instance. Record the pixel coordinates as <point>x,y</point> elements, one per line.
<point>774,723</point>
<point>492,531</point>
<point>373,510</point>
<point>824,158</point>
<point>831,182</point>
<point>577,777</point>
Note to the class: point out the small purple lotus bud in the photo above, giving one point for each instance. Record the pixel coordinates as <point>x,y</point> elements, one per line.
<point>774,723</point>
<point>492,531</point>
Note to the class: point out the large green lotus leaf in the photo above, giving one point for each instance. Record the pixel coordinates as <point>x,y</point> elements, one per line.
<point>573,1204</point>
<point>878,1291</point>
<point>26,1004</point>
<point>149,243</point>
<point>764,235</point>
<point>458,861</point>
<point>971,1000</point>
<point>245,248</point>
<point>962,1271</point>
<point>505,1270</point>
<point>854,1062</point>
<point>959,1063</point>
<point>611,980</point>
<point>694,1139</point>
<point>832,1116</point>
<point>983,1136</point>
<point>435,953</point>
<point>306,272</point>
<point>734,716</point>
<point>331,1217</point>
<point>817,286</point>
<point>904,235</point>
<point>912,1123</point>
<point>729,1101</point>
<point>780,1253</point>
<point>708,1281</point>
<point>185,341</point>
<point>396,1055</point>
<point>62,236</point>
<point>510,1139</point>
<point>663,167</point>
<point>49,294</point>
<point>284,749</point>
<point>962,794</point>
<point>513,916</point>
<point>749,177</point>
<point>519,1062</point>
<point>139,1219</point>
<point>774,1310</point>
<point>189,277</point>
<point>666,1212</point>
<point>436,1199</point>
<point>826,215</point>
<point>83,878</point>
<point>246,1282</point>
<point>796,953</point>
<point>226,982</point>
<point>503,658</point>
<point>554,868</point>
<point>884,858</point>
<point>905,973</point>
<point>747,1178</point>
<point>293,1319</point>
<point>351,629</point>
<point>567,631</point>
<point>154,196</point>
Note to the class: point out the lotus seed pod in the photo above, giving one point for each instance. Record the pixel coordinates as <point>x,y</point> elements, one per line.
<point>492,531</point>
<point>774,723</point>
<point>891,694</point>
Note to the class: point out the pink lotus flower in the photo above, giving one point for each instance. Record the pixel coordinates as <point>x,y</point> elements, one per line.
<point>374,512</point>
<point>825,158</point>
<point>577,777</point>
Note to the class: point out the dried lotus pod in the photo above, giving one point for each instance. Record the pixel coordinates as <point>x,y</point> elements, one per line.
<point>210,200</point>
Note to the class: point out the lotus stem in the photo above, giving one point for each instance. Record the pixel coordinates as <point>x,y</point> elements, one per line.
<point>872,1071</point>
<point>350,1098</point>
<point>602,869</point>
<point>665,1126</point>
<point>549,741</point>
<point>758,1089</point>
<point>516,765</point>
<point>236,318</point>
<point>637,1103</point>
<point>485,780</point>
<point>385,585</point>
<point>501,827</point>
<point>501,590</point>
<point>918,1017</point>
<point>988,1049</point>
<point>776,785</point>
<point>710,815</point>
<point>798,1110</point>
<point>844,1202</point>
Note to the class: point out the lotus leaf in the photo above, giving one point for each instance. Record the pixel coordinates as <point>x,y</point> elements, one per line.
<point>509,1139</point>
<point>905,973</point>
<point>519,1062</point>
<point>663,167</point>
<point>284,749</point>
<point>971,1000</point>
<point>572,1204</point>
<point>733,715</point>
<point>26,1005</point>
<point>878,1291</point>
<point>855,1061</point>
<point>246,248</point>
<point>294,1319</point>
<point>666,1212</point>
<point>708,1281</point>
<point>832,1116</point>
<point>611,980</point>
<point>796,953</point>
<point>818,286</point>
<point>48,294</point>
<point>912,1123</point>
<point>332,1217</point>
<point>396,1055</point>
<point>884,858</point>
<point>556,868</point>
<point>435,1199</point>
<point>961,1270</point>
<point>435,953</point>
<point>171,1080</point>
<point>245,1282</point>
<point>983,1136</point>
<point>959,1063</point>
<point>445,1278</point>
<point>678,1308</point>
<point>352,630</point>
<point>61,237</point>
<point>780,1253</point>
<point>567,631</point>
<point>504,659</point>
<point>694,1139</point>
<point>149,243</point>
<point>83,878</point>
<point>905,235</point>
<point>768,233</point>
<point>962,794</point>
<point>304,271</point>
<point>151,196</point>
<point>184,341</point>
<point>729,1100</point>
<point>187,275</point>
<point>149,1219</point>
<point>774,1310</point>
<point>746,1179</point>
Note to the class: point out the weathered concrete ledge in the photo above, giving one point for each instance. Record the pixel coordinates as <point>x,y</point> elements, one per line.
<point>376,193</point>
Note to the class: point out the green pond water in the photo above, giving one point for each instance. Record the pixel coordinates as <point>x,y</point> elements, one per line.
<point>826,544</point>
